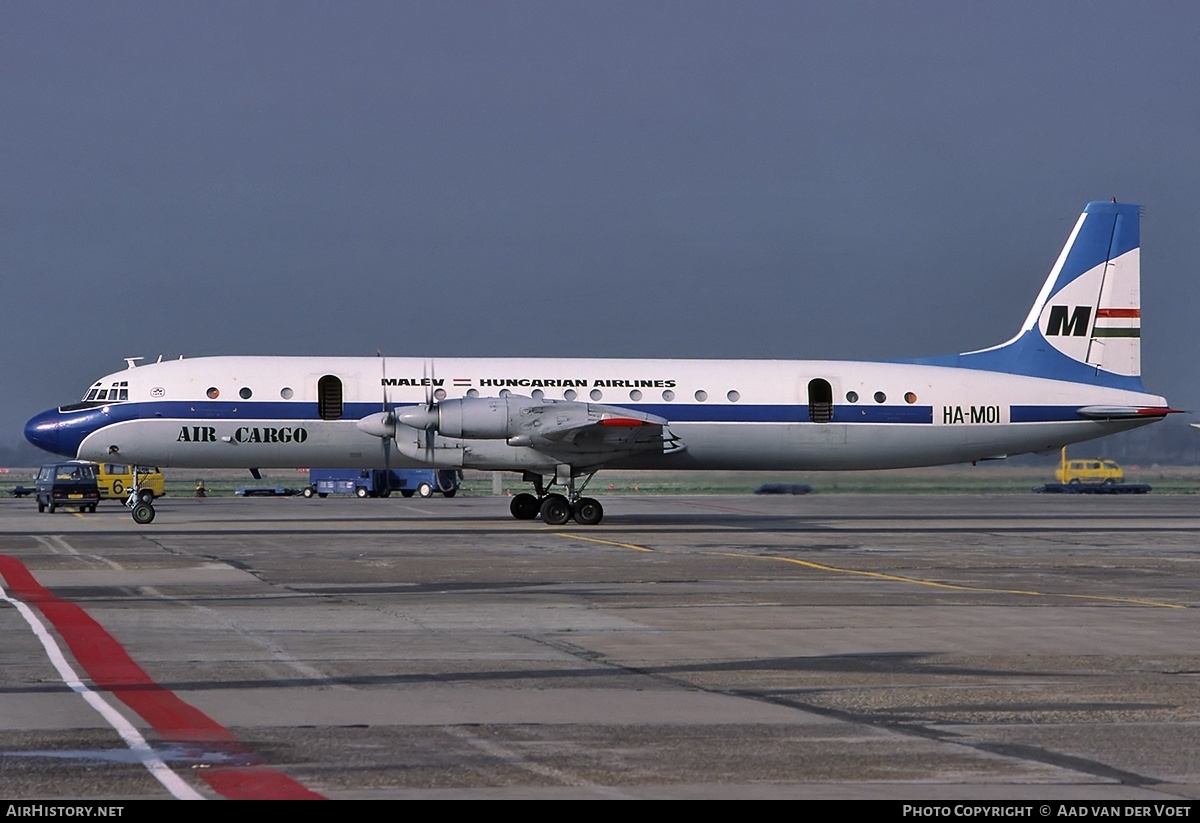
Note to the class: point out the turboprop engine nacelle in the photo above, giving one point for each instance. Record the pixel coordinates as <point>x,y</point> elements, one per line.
<point>474,418</point>
<point>495,418</point>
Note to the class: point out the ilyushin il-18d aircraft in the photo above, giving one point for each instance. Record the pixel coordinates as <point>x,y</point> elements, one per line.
<point>1071,373</point>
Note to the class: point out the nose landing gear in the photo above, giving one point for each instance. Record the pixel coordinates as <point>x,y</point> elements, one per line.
<point>140,501</point>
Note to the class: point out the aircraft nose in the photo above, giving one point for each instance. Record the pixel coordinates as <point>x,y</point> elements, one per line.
<point>45,431</point>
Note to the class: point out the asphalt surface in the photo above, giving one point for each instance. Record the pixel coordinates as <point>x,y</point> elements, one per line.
<point>895,647</point>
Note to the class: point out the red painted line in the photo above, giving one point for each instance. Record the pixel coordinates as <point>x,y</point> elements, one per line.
<point>1118,312</point>
<point>111,668</point>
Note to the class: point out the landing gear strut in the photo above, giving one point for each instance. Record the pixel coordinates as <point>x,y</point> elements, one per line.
<point>140,502</point>
<point>556,509</point>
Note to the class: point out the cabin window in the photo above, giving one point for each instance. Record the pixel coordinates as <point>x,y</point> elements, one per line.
<point>245,393</point>
<point>910,397</point>
<point>668,395</point>
<point>820,400</point>
<point>635,395</point>
<point>569,394</point>
<point>596,394</point>
<point>286,393</point>
<point>733,396</point>
<point>880,397</point>
<point>329,398</point>
<point>851,397</point>
<point>213,393</point>
<point>701,395</point>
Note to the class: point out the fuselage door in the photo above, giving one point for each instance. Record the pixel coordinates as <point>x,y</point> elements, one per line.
<point>820,400</point>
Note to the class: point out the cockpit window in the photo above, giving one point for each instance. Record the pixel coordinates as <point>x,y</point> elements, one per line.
<point>115,393</point>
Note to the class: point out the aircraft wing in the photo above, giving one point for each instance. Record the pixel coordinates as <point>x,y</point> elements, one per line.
<point>595,429</point>
<point>557,427</point>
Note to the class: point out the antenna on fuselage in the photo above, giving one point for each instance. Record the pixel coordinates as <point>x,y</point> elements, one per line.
<point>131,362</point>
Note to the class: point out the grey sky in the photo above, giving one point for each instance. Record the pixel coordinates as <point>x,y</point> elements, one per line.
<point>684,179</point>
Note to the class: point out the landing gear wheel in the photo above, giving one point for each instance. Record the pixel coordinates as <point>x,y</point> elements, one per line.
<point>146,496</point>
<point>588,511</point>
<point>425,490</point>
<point>41,507</point>
<point>385,493</point>
<point>50,507</point>
<point>308,491</point>
<point>524,506</point>
<point>360,492</point>
<point>450,493</point>
<point>555,510</point>
<point>143,513</point>
<point>407,492</point>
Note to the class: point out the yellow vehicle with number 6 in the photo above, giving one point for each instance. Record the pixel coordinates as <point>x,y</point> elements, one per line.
<point>116,479</point>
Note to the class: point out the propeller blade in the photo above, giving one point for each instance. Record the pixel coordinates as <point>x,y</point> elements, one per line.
<point>431,404</point>
<point>389,421</point>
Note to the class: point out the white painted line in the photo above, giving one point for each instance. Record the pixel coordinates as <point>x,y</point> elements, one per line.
<point>137,744</point>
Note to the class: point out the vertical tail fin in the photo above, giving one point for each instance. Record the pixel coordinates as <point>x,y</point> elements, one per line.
<point>1085,325</point>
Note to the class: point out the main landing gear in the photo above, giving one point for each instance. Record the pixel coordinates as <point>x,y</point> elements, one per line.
<point>556,509</point>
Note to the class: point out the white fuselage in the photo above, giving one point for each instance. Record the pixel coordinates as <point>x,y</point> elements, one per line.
<point>727,414</point>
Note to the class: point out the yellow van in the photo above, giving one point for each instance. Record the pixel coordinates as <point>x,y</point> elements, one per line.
<point>1092,470</point>
<point>116,479</point>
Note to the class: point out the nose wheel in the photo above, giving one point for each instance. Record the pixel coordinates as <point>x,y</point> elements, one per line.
<point>140,502</point>
<point>143,513</point>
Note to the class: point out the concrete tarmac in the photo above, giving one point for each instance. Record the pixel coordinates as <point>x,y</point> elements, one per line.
<point>926,648</point>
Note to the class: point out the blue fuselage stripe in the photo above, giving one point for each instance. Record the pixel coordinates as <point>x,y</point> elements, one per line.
<point>675,413</point>
<point>1043,414</point>
<point>62,432</point>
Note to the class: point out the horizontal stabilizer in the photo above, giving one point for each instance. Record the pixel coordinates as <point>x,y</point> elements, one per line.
<point>1124,412</point>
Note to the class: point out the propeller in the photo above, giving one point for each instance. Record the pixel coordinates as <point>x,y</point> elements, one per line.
<point>389,419</point>
<point>430,408</point>
<point>421,418</point>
